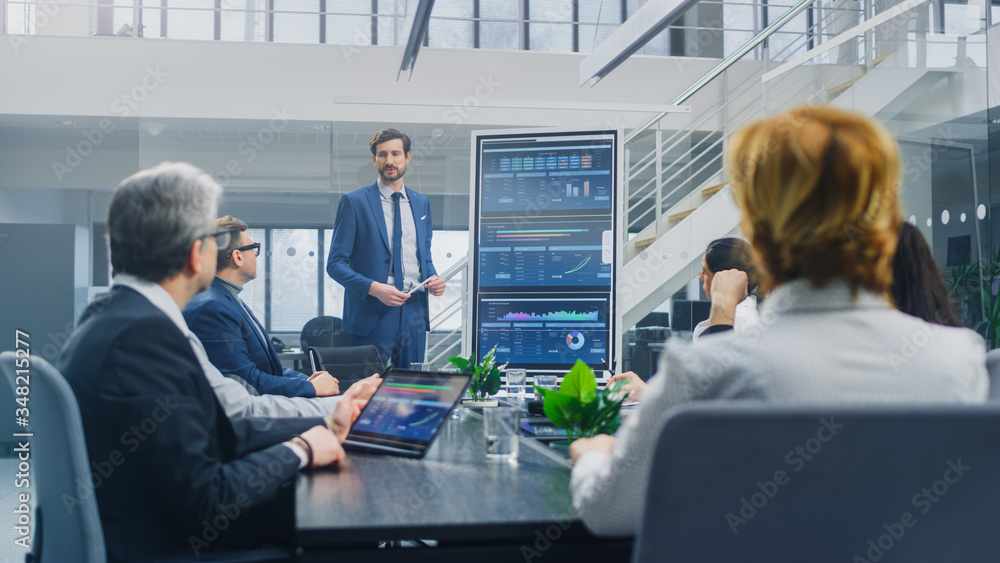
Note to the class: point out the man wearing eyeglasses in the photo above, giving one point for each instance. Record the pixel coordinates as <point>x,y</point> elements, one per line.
<point>167,460</point>
<point>235,340</point>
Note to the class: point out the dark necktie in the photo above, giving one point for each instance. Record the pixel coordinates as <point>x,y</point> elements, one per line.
<point>397,242</point>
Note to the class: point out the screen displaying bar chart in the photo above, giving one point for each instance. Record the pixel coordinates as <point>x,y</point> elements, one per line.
<point>549,177</point>
<point>545,330</point>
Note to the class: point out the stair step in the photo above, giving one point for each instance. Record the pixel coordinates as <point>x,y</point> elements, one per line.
<point>680,215</point>
<point>840,88</point>
<point>640,244</point>
<point>878,59</point>
<point>712,190</point>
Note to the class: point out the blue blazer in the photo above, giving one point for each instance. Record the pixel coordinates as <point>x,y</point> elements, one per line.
<point>360,253</point>
<point>234,345</point>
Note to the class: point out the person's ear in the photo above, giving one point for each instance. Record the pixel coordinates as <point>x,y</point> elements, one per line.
<point>194,261</point>
<point>236,259</point>
<point>407,158</point>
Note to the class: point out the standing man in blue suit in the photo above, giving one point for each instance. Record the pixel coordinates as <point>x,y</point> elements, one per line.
<point>381,252</point>
<point>234,339</point>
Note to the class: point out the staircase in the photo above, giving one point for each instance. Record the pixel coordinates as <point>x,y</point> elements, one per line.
<point>678,200</point>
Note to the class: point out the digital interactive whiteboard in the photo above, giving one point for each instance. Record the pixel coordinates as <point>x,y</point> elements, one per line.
<point>546,246</point>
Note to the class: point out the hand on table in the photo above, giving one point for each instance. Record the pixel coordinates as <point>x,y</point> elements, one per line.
<point>388,294</point>
<point>325,384</point>
<point>634,387</point>
<point>349,407</point>
<point>435,285</point>
<point>601,443</point>
<point>326,448</point>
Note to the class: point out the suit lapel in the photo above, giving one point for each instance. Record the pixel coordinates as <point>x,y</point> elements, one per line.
<point>375,201</point>
<point>255,327</point>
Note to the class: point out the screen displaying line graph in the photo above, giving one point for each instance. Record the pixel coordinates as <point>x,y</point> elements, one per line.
<point>564,253</point>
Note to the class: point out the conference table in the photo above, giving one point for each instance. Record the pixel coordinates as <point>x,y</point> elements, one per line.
<point>472,508</point>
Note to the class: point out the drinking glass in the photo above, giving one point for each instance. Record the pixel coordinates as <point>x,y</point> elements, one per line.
<point>545,382</point>
<point>501,426</point>
<point>515,383</point>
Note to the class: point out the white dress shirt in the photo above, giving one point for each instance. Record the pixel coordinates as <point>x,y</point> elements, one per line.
<point>811,346</point>
<point>745,317</point>
<point>411,266</point>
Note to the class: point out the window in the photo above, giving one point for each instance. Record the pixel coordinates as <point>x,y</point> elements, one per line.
<point>449,32</point>
<point>292,285</point>
<point>294,278</point>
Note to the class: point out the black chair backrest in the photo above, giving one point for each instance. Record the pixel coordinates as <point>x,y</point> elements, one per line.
<point>768,483</point>
<point>347,363</point>
<point>65,525</point>
<point>323,332</point>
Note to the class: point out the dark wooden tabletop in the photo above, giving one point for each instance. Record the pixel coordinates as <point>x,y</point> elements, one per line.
<point>452,494</point>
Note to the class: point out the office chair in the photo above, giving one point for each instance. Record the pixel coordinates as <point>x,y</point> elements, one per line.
<point>347,363</point>
<point>814,483</point>
<point>323,332</point>
<point>65,525</point>
<point>993,368</point>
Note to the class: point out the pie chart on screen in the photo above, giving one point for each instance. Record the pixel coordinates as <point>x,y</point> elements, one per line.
<point>575,340</point>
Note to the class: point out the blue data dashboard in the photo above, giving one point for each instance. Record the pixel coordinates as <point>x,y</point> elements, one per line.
<point>545,247</point>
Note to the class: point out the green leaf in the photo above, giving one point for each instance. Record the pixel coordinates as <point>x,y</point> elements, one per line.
<point>492,381</point>
<point>563,410</point>
<point>580,383</point>
<point>460,363</point>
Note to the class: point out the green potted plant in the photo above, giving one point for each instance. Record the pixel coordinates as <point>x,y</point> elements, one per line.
<point>972,286</point>
<point>485,378</point>
<point>579,408</point>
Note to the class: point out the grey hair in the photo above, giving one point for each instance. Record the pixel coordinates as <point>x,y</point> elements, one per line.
<point>154,217</point>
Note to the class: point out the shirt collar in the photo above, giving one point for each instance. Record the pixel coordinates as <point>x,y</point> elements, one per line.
<point>232,287</point>
<point>800,295</point>
<point>157,296</point>
<point>386,192</point>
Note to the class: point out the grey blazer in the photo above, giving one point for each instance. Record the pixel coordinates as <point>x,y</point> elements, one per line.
<point>812,346</point>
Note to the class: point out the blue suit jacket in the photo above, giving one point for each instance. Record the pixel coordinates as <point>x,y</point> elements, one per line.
<point>234,345</point>
<point>360,253</point>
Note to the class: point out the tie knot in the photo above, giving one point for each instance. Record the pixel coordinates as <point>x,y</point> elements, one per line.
<point>396,195</point>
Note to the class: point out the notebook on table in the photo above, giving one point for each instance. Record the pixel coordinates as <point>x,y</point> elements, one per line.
<point>406,412</point>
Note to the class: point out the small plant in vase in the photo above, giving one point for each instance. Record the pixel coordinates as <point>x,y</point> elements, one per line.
<point>579,408</point>
<point>485,377</point>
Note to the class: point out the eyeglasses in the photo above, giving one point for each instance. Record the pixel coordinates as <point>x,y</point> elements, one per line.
<point>255,246</point>
<point>222,238</point>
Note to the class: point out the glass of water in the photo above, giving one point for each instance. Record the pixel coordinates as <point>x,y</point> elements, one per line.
<point>546,382</point>
<point>515,383</point>
<point>501,427</point>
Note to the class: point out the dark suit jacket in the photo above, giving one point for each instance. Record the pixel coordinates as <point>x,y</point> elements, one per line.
<point>234,345</point>
<point>360,253</point>
<point>166,460</point>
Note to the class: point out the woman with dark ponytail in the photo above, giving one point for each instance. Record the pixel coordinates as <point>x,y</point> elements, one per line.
<point>734,305</point>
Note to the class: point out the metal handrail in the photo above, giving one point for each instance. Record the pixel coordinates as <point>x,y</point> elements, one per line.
<point>646,189</point>
<point>723,65</point>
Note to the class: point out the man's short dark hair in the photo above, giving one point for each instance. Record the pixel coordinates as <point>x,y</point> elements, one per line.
<point>236,226</point>
<point>388,135</point>
<point>156,215</point>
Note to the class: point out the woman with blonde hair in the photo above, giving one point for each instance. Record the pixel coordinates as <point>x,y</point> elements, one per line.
<point>817,188</point>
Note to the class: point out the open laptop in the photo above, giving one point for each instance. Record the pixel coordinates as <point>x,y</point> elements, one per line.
<point>406,412</point>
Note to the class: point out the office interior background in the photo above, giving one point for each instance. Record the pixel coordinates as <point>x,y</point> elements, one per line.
<point>277,99</point>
